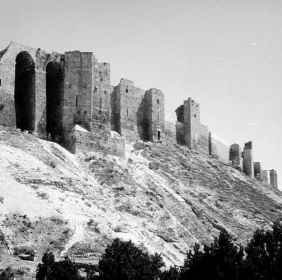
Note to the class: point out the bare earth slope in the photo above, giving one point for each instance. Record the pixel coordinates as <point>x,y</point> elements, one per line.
<point>163,198</point>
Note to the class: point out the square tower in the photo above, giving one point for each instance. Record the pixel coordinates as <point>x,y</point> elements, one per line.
<point>264,175</point>
<point>273,178</point>
<point>248,166</point>
<point>196,135</point>
<point>155,114</point>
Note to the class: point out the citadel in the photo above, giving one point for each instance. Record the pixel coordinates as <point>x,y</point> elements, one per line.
<point>68,98</point>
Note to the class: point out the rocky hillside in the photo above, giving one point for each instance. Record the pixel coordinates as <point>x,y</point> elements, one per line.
<point>161,197</point>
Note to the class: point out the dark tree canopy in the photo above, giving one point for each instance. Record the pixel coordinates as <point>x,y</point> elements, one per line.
<point>123,260</point>
<point>264,254</point>
<point>50,269</point>
<point>220,260</point>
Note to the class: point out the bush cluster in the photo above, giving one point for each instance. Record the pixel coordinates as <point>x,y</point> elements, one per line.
<point>222,259</point>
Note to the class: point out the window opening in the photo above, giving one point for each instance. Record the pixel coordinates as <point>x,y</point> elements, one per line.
<point>76,100</point>
<point>0,82</point>
<point>159,135</point>
<point>100,102</point>
<point>158,101</point>
<point>195,115</point>
<point>127,111</point>
<point>126,90</point>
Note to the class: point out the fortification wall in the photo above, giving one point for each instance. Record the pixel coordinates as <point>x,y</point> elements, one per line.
<point>219,148</point>
<point>201,142</point>
<point>179,126</point>
<point>84,141</point>
<point>170,133</point>
<point>264,176</point>
<point>29,65</point>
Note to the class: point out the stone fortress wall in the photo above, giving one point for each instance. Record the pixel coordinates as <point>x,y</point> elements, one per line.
<point>68,98</point>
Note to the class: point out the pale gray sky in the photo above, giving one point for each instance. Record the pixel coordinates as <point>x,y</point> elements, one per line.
<point>225,54</point>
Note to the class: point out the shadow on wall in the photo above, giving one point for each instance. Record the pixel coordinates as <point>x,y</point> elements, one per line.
<point>143,124</point>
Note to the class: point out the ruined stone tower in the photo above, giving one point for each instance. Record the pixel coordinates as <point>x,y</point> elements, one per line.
<point>257,170</point>
<point>248,166</point>
<point>189,129</point>
<point>137,114</point>
<point>236,155</point>
<point>273,178</point>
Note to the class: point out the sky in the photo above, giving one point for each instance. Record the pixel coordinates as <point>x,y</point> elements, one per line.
<point>225,54</point>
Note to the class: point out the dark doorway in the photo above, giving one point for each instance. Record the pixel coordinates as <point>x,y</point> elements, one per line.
<point>25,92</point>
<point>159,135</point>
<point>54,99</point>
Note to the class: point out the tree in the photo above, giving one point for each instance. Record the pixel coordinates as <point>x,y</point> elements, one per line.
<point>123,260</point>
<point>264,254</point>
<point>221,260</point>
<point>172,273</point>
<point>50,269</point>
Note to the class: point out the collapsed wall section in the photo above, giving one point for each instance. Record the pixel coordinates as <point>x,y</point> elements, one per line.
<point>219,149</point>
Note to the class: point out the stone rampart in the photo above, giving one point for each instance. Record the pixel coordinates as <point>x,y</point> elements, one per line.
<point>84,141</point>
<point>170,133</point>
<point>219,148</point>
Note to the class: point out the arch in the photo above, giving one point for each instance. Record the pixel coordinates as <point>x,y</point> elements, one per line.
<point>25,91</point>
<point>54,99</point>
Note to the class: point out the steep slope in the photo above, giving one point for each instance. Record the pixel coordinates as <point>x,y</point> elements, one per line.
<point>163,198</point>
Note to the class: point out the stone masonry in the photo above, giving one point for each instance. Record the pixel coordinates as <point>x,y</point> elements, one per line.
<point>264,174</point>
<point>273,178</point>
<point>68,98</point>
<point>235,155</point>
<point>257,170</point>
<point>248,166</point>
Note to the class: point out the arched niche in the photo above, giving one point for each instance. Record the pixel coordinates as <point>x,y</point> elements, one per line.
<point>25,91</point>
<point>54,99</point>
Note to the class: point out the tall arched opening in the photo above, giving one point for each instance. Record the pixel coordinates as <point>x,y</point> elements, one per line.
<point>54,99</point>
<point>25,92</point>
